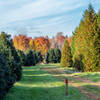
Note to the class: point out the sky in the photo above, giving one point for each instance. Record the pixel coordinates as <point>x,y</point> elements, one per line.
<point>42,17</point>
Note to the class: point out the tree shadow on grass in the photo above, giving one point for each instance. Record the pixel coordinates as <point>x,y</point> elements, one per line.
<point>93,89</point>
<point>40,85</point>
<point>44,93</point>
<point>95,77</point>
<point>36,76</point>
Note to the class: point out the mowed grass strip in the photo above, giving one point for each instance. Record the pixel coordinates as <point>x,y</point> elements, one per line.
<point>92,87</point>
<point>41,85</point>
<point>93,76</point>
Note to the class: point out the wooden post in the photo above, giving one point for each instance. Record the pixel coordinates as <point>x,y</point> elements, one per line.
<point>66,82</point>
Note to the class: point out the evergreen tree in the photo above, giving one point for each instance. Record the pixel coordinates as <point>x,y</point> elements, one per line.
<point>30,58</point>
<point>77,46</point>
<point>13,60</point>
<point>66,56</point>
<point>57,55</point>
<point>22,57</point>
<point>47,58</point>
<point>38,56</point>
<point>73,44</point>
<point>98,18</point>
<point>5,77</point>
<point>88,39</point>
<point>53,56</point>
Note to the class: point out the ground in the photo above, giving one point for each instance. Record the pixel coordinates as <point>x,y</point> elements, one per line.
<point>47,82</point>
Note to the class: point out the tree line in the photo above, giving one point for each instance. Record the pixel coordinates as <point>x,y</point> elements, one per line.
<point>41,44</point>
<point>84,53</point>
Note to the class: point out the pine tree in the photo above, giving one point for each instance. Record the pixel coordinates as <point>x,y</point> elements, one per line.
<point>13,60</point>
<point>66,56</point>
<point>73,44</point>
<point>22,57</point>
<point>53,56</point>
<point>47,58</point>
<point>77,46</point>
<point>87,41</point>
<point>5,77</point>
<point>57,55</point>
<point>91,41</point>
<point>98,18</point>
<point>30,58</point>
<point>38,56</point>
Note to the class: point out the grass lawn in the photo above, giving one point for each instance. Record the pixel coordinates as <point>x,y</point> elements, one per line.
<point>37,84</point>
<point>93,76</point>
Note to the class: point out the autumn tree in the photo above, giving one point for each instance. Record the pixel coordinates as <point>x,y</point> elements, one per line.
<point>53,43</point>
<point>70,41</point>
<point>42,44</point>
<point>31,44</point>
<point>21,42</point>
<point>66,56</point>
<point>57,41</point>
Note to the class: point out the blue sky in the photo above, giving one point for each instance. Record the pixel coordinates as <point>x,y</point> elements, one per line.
<point>42,17</point>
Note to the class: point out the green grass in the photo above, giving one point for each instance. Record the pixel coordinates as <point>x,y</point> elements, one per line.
<point>93,76</point>
<point>93,89</point>
<point>41,85</point>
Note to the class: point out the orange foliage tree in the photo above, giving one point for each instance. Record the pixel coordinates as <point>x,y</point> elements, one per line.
<point>42,44</point>
<point>31,44</point>
<point>21,42</point>
<point>70,41</point>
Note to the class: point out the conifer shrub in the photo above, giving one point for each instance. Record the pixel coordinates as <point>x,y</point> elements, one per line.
<point>87,40</point>
<point>66,56</point>
<point>22,56</point>
<point>78,64</point>
<point>47,57</point>
<point>5,77</point>
<point>38,56</point>
<point>57,55</point>
<point>53,56</point>
<point>8,50</point>
<point>30,59</point>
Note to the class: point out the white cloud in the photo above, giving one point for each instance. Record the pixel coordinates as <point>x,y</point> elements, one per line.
<point>41,15</point>
<point>38,8</point>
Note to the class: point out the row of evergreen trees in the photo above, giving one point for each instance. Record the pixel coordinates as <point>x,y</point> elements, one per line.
<point>30,58</point>
<point>85,48</point>
<point>10,66</point>
<point>11,61</point>
<point>86,42</point>
<point>53,56</point>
